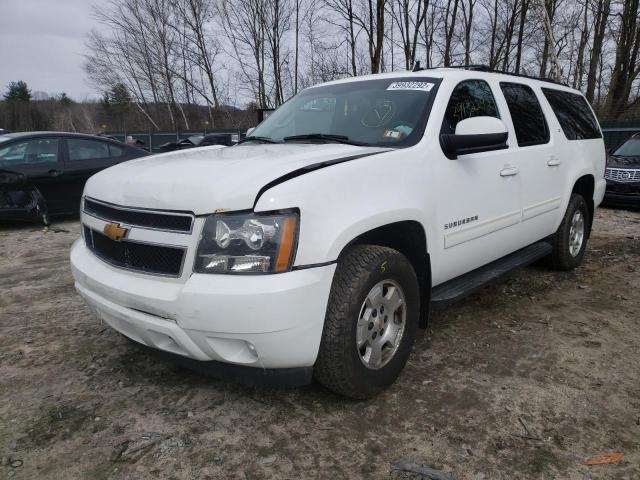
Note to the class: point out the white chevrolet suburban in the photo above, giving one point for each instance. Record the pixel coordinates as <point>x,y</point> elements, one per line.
<point>316,247</point>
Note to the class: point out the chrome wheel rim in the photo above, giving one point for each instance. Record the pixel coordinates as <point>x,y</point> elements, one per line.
<point>576,233</point>
<point>381,324</point>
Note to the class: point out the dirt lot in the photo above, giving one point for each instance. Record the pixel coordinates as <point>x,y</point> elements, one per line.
<point>559,352</point>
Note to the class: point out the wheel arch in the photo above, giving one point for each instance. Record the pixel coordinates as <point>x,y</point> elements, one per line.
<point>585,186</point>
<point>409,238</point>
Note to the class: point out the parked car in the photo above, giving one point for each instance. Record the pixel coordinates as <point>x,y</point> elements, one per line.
<point>317,245</point>
<point>226,139</point>
<point>58,164</point>
<point>623,174</point>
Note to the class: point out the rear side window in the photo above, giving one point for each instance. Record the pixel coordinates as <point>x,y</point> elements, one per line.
<point>573,113</point>
<point>83,149</point>
<point>471,98</point>
<point>526,113</point>
<point>115,150</point>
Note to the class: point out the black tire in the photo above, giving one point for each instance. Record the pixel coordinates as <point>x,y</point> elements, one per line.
<point>561,257</point>
<point>339,366</point>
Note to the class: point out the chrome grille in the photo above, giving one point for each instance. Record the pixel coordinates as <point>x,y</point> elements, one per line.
<point>139,217</point>
<point>137,256</point>
<point>622,174</point>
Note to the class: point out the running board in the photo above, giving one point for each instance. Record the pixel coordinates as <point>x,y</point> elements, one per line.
<point>464,285</point>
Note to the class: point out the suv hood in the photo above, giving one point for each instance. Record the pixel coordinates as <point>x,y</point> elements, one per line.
<point>623,162</point>
<point>202,180</point>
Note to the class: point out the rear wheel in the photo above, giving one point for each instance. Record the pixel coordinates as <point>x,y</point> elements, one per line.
<point>371,322</point>
<point>570,241</point>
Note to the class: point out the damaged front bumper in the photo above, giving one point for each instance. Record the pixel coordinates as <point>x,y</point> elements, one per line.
<point>20,199</point>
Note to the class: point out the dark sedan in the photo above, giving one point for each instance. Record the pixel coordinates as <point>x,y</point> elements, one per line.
<point>56,165</point>
<point>226,139</point>
<point>623,174</point>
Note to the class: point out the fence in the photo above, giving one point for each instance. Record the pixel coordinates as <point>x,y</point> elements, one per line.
<point>155,139</point>
<point>613,135</point>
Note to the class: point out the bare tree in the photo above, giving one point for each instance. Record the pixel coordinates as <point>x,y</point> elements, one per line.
<point>409,17</point>
<point>205,48</point>
<point>627,64</point>
<point>345,11</point>
<point>450,19</point>
<point>601,9</point>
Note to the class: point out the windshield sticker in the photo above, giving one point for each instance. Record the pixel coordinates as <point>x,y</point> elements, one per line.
<point>395,134</point>
<point>422,86</point>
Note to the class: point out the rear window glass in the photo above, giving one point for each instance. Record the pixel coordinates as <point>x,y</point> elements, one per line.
<point>573,113</point>
<point>526,114</point>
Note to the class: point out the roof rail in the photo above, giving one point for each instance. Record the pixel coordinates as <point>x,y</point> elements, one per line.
<point>486,68</point>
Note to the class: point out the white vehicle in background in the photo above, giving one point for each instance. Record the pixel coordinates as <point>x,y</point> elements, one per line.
<point>316,246</point>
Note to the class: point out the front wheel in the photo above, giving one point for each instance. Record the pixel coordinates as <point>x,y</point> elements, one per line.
<point>371,322</point>
<point>570,241</point>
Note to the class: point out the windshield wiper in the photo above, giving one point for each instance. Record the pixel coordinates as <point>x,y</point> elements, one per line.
<point>258,139</point>
<point>328,137</point>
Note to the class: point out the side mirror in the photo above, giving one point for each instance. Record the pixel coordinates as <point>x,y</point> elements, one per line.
<point>475,135</point>
<point>250,131</point>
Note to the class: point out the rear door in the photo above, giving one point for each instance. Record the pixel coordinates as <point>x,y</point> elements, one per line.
<point>40,160</point>
<point>542,169</point>
<point>84,157</point>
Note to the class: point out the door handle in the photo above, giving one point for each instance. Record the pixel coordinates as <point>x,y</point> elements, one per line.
<point>553,161</point>
<point>509,171</point>
<point>54,173</point>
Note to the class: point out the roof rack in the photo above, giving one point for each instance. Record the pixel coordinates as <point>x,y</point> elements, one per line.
<point>486,68</point>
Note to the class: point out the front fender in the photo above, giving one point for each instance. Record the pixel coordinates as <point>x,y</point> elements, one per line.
<point>341,202</point>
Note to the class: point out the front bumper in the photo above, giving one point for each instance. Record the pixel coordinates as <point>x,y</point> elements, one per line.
<point>260,321</point>
<point>622,193</point>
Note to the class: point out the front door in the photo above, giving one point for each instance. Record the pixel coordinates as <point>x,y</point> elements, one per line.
<point>39,159</point>
<point>478,198</point>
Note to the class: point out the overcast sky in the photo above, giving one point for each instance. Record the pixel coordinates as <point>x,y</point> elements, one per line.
<point>42,43</point>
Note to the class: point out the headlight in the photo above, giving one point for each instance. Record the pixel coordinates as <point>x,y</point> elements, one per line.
<point>247,243</point>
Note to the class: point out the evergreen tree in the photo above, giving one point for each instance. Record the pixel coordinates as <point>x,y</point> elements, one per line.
<point>18,91</point>
<point>64,99</point>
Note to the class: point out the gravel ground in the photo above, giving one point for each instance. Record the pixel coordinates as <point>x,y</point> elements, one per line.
<point>557,353</point>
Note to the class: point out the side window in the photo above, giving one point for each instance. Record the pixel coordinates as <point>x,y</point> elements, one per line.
<point>115,151</point>
<point>573,113</point>
<point>82,149</point>
<point>528,120</point>
<point>471,98</point>
<point>36,151</point>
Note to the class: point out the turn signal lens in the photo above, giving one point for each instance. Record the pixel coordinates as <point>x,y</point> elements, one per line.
<point>287,241</point>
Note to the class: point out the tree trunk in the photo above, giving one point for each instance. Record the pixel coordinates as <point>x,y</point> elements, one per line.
<point>523,18</point>
<point>626,67</point>
<point>601,17</point>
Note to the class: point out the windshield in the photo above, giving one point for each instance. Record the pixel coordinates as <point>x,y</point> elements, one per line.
<point>630,148</point>
<point>391,112</point>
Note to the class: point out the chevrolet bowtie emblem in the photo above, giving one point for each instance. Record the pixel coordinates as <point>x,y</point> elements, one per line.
<point>114,231</point>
